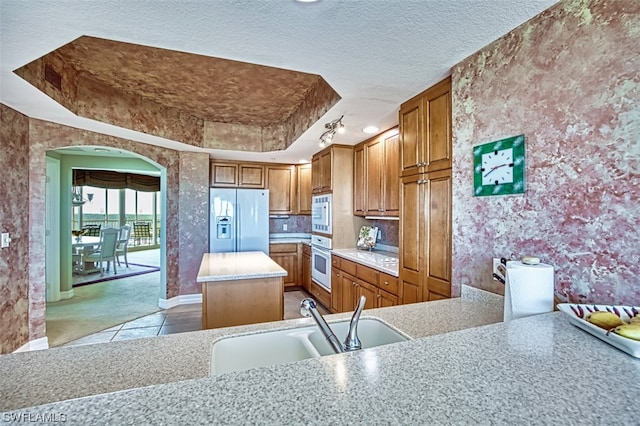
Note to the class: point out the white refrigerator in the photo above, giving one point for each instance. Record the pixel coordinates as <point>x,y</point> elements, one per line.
<point>238,220</point>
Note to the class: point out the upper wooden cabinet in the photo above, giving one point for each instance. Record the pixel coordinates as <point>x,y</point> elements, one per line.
<point>359,181</point>
<point>236,175</point>
<point>321,173</point>
<point>376,175</point>
<point>281,183</point>
<point>304,189</point>
<point>425,130</point>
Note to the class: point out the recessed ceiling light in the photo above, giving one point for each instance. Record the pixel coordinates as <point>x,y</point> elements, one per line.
<point>100,149</point>
<point>303,161</point>
<point>370,129</point>
<point>306,1</point>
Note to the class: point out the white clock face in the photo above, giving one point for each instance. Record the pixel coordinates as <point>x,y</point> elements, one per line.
<point>497,167</point>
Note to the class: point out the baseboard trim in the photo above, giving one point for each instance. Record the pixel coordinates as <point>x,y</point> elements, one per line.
<point>34,345</point>
<point>185,299</point>
<point>66,294</point>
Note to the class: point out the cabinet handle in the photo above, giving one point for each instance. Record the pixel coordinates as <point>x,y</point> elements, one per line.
<point>378,296</point>
<point>338,275</point>
<point>386,283</point>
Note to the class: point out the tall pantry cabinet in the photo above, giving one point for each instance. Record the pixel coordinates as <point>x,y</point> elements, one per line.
<point>425,195</point>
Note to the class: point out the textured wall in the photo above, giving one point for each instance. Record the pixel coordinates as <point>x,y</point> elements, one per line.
<point>569,80</point>
<point>193,218</point>
<point>24,174</point>
<point>14,260</point>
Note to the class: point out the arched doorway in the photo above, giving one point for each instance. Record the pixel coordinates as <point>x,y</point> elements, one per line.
<point>85,309</point>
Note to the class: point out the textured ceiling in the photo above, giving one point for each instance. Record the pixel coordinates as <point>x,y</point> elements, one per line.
<point>374,53</point>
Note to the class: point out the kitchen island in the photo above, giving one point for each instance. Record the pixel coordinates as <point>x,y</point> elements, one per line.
<point>240,288</point>
<point>462,367</point>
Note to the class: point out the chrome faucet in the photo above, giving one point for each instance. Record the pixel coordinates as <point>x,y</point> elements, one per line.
<point>351,342</point>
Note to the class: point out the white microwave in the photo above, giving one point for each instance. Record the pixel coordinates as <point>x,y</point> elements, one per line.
<point>321,213</point>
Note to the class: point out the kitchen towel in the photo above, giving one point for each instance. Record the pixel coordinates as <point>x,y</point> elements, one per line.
<point>528,290</point>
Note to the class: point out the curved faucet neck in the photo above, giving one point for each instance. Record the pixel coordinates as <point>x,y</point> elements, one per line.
<point>352,342</point>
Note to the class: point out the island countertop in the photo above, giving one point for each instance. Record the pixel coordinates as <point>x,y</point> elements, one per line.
<point>238,266</point>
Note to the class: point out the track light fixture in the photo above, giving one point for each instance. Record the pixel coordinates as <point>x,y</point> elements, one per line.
<point>333,127</point>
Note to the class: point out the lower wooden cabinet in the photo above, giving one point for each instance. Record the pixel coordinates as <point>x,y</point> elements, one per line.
<point>321,295</point>
<point>306,267</point>
<point>350,280</point>
<point>286,255</point>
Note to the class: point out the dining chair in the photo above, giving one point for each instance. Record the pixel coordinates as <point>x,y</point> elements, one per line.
<point>123,244</point>
<point>106,251</point>
<point>92,230</point>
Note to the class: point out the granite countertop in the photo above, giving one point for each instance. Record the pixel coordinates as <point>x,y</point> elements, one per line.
<point>291,237</point>
<point>237,266</point>
<point>535,370</point>
<point>385,261</point>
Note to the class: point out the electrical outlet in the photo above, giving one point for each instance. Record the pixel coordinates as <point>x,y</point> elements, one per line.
<point>498,269</point>
<point>285,227</point>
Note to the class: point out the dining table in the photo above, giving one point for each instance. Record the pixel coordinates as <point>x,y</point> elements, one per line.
<point>79,245</point>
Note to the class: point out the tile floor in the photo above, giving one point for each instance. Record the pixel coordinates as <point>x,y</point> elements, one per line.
<point>176,320</point>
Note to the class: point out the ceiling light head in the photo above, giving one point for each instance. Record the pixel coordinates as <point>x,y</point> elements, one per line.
<point>370,130</point>
<point>333,127</point>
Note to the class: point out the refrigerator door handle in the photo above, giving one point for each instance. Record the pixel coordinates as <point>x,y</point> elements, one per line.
<point>238,231</point>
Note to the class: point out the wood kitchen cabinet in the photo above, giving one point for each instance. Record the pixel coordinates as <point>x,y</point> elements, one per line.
<point>321,169</point>
<point>286,255</point>
<point>306,267</point>
<point>350,280</point>
<point>376,175</point>
<point>236,175</point>
<point>281,183</point>
<point>304,189</point>
<point>425,237</point>
<point>425,130</point>
<point>359,181</point>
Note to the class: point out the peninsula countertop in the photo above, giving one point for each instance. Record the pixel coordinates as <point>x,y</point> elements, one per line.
<point>535,370</point>
<point>238,266</point>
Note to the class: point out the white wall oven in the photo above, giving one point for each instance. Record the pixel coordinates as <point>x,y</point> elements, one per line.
<point>321,213</point>
<point>321,261</point>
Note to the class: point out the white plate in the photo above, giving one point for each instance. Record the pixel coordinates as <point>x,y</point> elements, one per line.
<point>630,346</point>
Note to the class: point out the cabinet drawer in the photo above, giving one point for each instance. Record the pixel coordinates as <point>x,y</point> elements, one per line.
<point>348,266</point>
<point>388,283</point>
<point>306,249</point>
<point>335,262</point>
<point>283,248</point>
<point>367,274</point>
<point>321,295</point>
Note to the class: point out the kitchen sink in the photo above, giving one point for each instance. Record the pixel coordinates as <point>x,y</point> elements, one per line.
<point>238,353</point>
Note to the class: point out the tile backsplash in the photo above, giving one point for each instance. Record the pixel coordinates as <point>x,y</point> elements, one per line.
<point>294,223</point>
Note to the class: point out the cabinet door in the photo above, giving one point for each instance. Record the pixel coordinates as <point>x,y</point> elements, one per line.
<point>386,299</point>
<point>374,163</point>
<point>316,180</point>
<point>336,290</point>
<point>325,170</point>
<point>359,181</point>
<point>281,185</point>
<point>412,246</point>
<point>437,110</point>
<point>288,262</point>
<point>391,176</point>
<point>304,189</point>
<point>438,235</point>
<point>306,272</point>
<point>369,291</point>
<point>348,289</point>
<point>411,136</point>
<point>250,176</point>
<point>223,174</point>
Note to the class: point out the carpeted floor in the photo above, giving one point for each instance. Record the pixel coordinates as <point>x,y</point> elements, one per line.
<point>99,306</point>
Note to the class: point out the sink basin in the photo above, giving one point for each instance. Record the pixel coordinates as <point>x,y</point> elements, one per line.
<point>237,353</point>
<point>370,331</point>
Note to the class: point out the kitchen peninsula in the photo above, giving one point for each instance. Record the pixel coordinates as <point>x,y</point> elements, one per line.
<point>462,366</point>
<point>240,288</point>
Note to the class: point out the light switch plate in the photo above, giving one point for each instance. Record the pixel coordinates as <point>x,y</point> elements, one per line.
<point>5,240</point>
